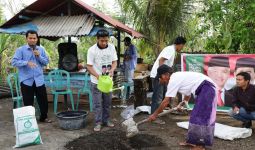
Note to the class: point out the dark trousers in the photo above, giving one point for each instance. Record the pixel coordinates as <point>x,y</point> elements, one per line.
<point>28,93</point>
<point>158,95</point>
<point>101,104</point>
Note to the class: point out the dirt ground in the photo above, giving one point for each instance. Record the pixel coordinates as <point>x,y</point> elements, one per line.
<point>164,136</point>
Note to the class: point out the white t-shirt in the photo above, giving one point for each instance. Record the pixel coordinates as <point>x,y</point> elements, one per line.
<point>185,83</point>
<point>167,53</point>
<point>101,58</point>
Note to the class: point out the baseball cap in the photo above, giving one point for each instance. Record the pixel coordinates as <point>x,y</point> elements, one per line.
<point>164,69</point>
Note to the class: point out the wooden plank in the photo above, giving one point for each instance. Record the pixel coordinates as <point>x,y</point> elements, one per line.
<point>5,91</point>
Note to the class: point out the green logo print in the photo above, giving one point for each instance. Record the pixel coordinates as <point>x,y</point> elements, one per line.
<point>27,124</point>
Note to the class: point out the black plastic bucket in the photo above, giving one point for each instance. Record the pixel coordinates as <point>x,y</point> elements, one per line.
<point>72,120</point>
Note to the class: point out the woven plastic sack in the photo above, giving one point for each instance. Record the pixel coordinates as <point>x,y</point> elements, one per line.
<point>27,131</point>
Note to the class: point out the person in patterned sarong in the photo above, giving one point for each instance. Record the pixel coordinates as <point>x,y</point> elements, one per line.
<point>203,115</point>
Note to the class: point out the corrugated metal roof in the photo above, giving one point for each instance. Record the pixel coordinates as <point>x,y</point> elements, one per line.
<point>86,27</point>
<point>57,7</point>
<point>61,26</point>
<point>110,20</point>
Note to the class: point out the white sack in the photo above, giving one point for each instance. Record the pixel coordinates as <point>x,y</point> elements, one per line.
<point>27,131</point>
<point>144,109</point>
<point>224,132</point>
<point>130,112</point>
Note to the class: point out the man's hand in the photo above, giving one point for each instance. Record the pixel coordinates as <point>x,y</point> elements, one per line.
<point>160,109</point>
<point>236,110</point>
<point>111,72</point>
<point>152,117</point>
<point>92,71</point>
<point>180,105</point>
<point>31,64</point>
<point>127,58</point>
<point>36,53</point>
<point>97,76</point>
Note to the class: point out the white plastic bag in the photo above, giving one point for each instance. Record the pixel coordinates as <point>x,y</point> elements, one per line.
<point>224,132</point>
<point>27,131</point>
<point>129,112</point>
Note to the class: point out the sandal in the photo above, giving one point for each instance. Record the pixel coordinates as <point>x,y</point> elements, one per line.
<point>97,128</point>
<point>46,120</point>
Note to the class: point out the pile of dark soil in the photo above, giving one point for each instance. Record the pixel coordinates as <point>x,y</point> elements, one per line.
<point>114,140</point>
<point>145,140</point>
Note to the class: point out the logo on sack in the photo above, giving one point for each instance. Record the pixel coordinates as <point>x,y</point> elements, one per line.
<point>27,124</point>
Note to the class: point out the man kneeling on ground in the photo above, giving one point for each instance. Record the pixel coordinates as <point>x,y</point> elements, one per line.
<point>243,100</point>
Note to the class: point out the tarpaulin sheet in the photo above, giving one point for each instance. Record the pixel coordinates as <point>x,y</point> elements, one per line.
<point>224,132</point>
<point>19,29</point>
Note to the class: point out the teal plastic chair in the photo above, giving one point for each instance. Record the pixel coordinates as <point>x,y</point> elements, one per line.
<point>60,85</point>
<point>128,88</point>
<point>85,90</point>
<point>14,85</point>
<point>13,82</point>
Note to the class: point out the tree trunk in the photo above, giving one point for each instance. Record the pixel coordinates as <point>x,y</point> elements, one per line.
<point>1,73</point>
<point>160,42</point>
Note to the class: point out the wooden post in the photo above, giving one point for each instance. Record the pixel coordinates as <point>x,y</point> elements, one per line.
<point>118,48</point>
<point>69,14</point>
<point>140,90</point>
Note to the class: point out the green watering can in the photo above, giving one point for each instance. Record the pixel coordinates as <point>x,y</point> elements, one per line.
<point>105,84</point>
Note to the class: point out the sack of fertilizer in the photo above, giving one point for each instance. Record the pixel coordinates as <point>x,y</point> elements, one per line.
<point>27,131</point>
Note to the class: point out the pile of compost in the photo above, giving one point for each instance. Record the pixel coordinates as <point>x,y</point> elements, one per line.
<point>114,140</point>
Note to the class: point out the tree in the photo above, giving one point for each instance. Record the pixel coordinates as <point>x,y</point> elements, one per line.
<point>229,26</point>
<point>3,46</point>
<point>160,20</point>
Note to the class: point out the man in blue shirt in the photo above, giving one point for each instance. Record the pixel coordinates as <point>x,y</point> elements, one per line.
<point>30,60</point>
<point>130,60</point>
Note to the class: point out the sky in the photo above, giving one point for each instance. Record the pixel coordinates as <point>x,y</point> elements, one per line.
<point>18,5</point>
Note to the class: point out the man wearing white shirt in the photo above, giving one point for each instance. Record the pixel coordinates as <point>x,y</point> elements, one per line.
<point>203,115</point>
<point>101,59</point>
<point>167,57</point>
